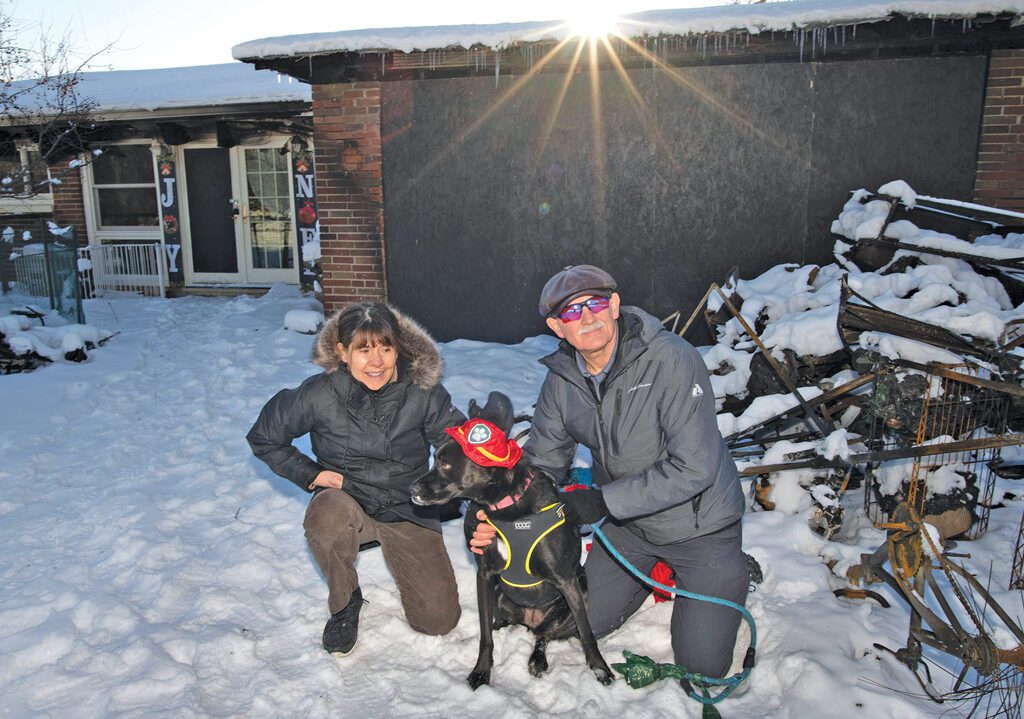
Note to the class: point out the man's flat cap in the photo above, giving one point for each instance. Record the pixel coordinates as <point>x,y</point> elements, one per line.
<point>571,281</point>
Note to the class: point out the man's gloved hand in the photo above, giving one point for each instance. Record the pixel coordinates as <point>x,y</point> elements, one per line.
<point>584,506</point>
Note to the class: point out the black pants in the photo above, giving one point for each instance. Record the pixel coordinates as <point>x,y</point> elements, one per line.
<point>703,634</point>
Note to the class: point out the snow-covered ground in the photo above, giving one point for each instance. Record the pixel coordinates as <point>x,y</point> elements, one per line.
<point>152,567</point>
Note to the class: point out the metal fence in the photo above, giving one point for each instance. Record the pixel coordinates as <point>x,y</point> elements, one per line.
<point>135,267</point>
<point>42,283</point>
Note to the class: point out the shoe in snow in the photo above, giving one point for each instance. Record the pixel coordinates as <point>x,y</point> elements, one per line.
<point>343,627</point>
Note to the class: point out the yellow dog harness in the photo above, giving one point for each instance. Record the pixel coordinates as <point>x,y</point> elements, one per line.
<point>521,536</point>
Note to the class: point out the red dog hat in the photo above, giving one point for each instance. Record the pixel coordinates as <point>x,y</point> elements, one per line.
<point>485,444</point>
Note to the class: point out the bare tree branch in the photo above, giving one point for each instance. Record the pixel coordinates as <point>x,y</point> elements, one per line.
<point>41,105</point>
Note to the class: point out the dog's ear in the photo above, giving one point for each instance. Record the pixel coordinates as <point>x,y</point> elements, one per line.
<point>498,411</point>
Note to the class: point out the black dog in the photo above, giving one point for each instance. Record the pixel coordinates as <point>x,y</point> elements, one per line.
<point>537,582</point>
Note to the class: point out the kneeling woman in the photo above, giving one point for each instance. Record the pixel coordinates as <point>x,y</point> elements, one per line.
<point>371,416</point>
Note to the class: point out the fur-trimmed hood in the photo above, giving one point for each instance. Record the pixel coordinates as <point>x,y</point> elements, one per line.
<point>421,351</point>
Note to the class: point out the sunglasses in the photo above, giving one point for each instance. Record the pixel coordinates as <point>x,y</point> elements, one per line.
<point>571,313</point>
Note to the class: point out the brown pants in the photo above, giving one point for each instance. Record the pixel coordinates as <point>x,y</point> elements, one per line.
<point>335,527</point>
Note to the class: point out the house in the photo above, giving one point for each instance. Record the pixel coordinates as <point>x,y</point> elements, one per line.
<point>459,166</point>
<point>200,177</point>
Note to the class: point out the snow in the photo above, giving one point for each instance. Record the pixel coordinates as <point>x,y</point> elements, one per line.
<point>58,231</point>
<point>304,321</point>
<point>837,444</point>
<point>311,250</point>
<point>901,191</point>
<point>756,18</point>
<point>181,87</point>
<point>153,567</point>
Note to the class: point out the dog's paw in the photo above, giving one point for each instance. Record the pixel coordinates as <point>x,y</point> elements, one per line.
<point>538,664</point>
<point>604,675</point>
<point>477,679</point>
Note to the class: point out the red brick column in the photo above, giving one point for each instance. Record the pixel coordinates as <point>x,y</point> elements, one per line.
<point>999,179</point>
<point>68,205</point>
<point>350,191</point>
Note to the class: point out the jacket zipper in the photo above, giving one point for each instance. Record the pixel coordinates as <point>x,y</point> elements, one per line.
<point>618,415</point>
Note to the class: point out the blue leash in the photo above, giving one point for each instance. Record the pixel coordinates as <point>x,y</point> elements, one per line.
<point>690,678</point>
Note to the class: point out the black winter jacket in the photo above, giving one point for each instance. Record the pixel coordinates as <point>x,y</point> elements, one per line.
<point>658,455</point>
<point>379,441</point>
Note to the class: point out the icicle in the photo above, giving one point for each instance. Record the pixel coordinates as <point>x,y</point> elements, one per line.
<point>801,46</point>
<point>497,67</point>
<point>382,64</point>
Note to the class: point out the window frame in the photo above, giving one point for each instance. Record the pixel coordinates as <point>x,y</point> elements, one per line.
<point>41,203</point>
<point>101,234</point>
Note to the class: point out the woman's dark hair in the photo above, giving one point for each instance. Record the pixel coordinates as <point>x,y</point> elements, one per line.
<point>369,323</point>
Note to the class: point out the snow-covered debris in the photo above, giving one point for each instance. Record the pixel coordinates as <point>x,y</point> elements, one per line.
<point>925,308</point>
<point>9,324</point>
<point>58,231</point>
<point>837,444</point>
<point>304,321</point>
<point>52,342</point>
<point>859,220</point>
<point>901,191</point>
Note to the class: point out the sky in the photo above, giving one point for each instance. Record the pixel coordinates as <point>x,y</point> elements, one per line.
<point>148,34</point>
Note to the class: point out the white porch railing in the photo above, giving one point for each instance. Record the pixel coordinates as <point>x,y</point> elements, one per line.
<point>136,267</point>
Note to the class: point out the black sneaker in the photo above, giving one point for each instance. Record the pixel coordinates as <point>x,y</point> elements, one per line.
<point>342,628</point>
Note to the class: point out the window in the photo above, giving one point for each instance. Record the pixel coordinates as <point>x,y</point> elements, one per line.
<point>22,170</point>
<point>125,187</point>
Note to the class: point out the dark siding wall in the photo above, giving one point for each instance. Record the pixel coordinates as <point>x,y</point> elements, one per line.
<point>684,175</point>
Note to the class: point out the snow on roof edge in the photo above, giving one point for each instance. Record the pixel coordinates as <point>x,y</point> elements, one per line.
<point>762,17</point>
<point>180,88</point>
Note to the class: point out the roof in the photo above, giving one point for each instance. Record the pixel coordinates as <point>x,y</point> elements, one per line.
<point>754,19</point>
<point>187,87</point>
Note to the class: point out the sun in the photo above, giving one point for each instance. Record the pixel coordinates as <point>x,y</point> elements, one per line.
<point>592,24</point>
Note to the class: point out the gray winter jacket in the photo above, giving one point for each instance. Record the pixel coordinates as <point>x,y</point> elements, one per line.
<point>379,441</point>
<point>658,456</point>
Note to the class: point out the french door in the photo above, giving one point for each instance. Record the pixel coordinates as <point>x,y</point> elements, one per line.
<point>239,209</point>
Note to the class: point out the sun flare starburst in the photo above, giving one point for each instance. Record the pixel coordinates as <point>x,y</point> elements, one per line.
<point>592,25</point>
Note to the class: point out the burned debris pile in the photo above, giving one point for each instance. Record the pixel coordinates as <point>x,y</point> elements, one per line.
<point>27,342</point>
<point>895,371</point>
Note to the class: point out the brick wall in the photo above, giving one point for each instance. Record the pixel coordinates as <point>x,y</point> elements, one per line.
<point>999,180</point>
<point>68,206</point>
<point>350,191</point>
